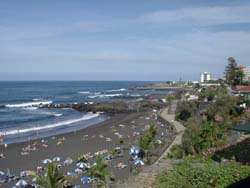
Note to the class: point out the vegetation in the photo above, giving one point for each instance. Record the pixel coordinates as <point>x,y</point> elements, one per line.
<point>100,174</point>
<point>211,93</point>
<point>186,110</point>
<point>146,140</point>
<point>115,153</point>
<point>170,98</point>
<point>52,178</point>
<point>197,173</point>
<point>82,159</point>
<point>206,123</point>
<point>234,75</point>
<point>240,152</point>
<point>205,139</point>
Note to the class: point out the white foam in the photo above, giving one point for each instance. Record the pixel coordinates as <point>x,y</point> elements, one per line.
<point>28,104</point>
<point>93,96</point>
<point>104,96</point>
<point>84,92</point>
<point>31,108</point>
<point>57,115</point>
<point>115,90</point>
<point>39,99</point>
<point>62,123</point>
<point>135,95</point>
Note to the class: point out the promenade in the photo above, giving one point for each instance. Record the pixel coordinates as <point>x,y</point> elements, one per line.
<point>145,178</point>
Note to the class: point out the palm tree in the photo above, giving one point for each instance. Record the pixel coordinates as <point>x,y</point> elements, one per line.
<point>99,172</point>
<point>146,141</point>
<point>152,130</point>
<point>52,178</point>
<point>145,144</point>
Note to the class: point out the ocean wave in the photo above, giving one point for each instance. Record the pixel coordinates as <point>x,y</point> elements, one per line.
<point>31,108</point>
<point>83,92</point>
<point>57,115</point>
<point>115,90</point>
<point>37,99</point>
<point>104,96</point>
<point>28,104</point>
<point>59,124</point>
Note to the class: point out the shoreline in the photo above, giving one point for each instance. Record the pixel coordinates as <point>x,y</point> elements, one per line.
<point>161,86</point>
<point>65,130</point>
<point>99,136</point>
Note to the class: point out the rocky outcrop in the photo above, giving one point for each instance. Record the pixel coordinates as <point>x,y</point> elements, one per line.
<point>109,107</point>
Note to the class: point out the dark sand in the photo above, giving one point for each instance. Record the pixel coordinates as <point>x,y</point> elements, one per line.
<point>74,145</point>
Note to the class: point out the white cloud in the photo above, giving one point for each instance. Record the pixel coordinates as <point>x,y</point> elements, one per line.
<point>31,30</point>
<point>202,16</point>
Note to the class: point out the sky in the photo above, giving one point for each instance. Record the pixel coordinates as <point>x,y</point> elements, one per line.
<point>121,40</point>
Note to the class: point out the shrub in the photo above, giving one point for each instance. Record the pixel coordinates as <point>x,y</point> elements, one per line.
<point>196,173</point>
<point>185,110</point>
<point>177,152</point>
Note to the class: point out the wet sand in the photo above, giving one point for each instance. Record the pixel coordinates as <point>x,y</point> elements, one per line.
<point>100,136</point>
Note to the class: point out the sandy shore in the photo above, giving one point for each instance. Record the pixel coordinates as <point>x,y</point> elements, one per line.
<point>91,139</point>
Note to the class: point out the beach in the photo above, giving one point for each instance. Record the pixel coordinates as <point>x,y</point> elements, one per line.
<point>103,136</point>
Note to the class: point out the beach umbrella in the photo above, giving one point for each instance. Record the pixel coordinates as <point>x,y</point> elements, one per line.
<point>71,173</point>
<point>57,159</point>
<point>85,180</point>
<point>107,158</point>
<point>46,161</point>
<point>21,183</point>
<point>68,161</point>
<point>139,163</point>
<point>82,165</point>
<point>134,151</point>
<point>2,173</point>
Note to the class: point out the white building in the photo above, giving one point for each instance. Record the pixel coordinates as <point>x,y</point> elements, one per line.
<point>246,71</point>
<point>205,76</point>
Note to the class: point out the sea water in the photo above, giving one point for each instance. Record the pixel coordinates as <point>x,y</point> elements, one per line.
<point>21,121</point>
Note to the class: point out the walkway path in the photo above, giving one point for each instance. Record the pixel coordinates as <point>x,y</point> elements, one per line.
<point>145,178</point>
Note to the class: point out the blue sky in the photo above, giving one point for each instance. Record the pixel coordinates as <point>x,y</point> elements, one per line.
<point>121,40</point>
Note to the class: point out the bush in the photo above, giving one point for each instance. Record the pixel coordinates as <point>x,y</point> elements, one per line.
<point>185,110</point>
<point>196,173</point>
<point>177,152</point>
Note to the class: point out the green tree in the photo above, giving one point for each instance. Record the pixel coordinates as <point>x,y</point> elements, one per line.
<point>191,139</point>
<point>99,172</point>
<point>145,144</point>
<point>185,110</point>
<point>52,178</point>
<point>152,131</point>
<point>146,140</point>
<point>232,72</point>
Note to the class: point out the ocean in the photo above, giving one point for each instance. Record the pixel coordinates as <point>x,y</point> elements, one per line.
<point>19,121</point>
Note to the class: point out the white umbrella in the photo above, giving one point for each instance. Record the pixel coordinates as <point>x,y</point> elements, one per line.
<point>57,159</point>
<point>139,163</point>
<point>68,161</point>
<point>46,161</point>
<point>134,151</point>
<point>2,173</point>
<point>82,165</point>
<point>21,183</point>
